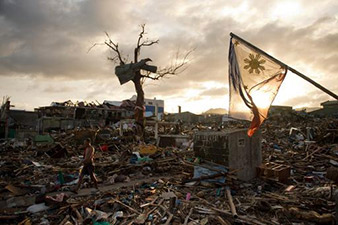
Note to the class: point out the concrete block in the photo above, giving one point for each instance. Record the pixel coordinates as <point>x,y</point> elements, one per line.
<point>231,148</point>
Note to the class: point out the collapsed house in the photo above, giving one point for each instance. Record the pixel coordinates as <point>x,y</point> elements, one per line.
<point>68,115</point>
<point>20,124</point>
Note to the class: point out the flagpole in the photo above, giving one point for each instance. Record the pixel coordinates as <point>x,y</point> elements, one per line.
<point>287,67</point>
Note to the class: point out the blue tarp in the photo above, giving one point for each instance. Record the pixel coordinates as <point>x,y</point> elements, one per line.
<point>200,171</point>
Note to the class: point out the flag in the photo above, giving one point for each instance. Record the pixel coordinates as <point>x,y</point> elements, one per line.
<point>254,80</point>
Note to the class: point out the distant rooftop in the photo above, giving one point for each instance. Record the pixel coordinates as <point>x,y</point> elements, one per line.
<point>116,103</point>
<point>281,106</point>
<point>329,103</point>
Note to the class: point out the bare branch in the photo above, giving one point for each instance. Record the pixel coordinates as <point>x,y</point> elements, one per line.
<point>177,67</point>
<point>115,48</point>
<point>112,46</point>
<point>141,43</point>
<point>107,35</point>
<point>94,46</point>
<point>114,59</point>
<point>140,35</point>
<point>156,77</point>
<point>149,43</point>
<point>138,47</point>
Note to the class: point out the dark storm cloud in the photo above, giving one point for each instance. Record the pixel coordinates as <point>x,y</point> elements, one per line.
<point>51,38</point>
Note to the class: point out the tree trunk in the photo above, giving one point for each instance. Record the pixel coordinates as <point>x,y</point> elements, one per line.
<point>139,109</point>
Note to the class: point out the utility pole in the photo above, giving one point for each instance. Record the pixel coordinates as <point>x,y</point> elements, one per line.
<point>156,121</point>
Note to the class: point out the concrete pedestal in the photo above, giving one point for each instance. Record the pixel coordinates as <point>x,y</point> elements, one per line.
<point>231,148</point>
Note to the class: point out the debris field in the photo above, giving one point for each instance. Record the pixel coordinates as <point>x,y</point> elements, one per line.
<point>142,183</point>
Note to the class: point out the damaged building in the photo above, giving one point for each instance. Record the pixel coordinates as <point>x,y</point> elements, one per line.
<point>21,124</point>
<point>150,106</point>
<point>69,115</point>
<point>329,109</point>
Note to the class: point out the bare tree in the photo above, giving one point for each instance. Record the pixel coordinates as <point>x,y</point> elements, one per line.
<point>140,76</point>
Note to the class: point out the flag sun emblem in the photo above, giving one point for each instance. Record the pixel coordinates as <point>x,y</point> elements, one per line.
<point>254,64</point>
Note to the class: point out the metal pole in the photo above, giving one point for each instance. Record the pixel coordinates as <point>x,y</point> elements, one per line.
<point>156,121</point>
<point>287,67</point>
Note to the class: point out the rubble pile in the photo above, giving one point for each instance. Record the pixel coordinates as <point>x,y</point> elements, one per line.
<point>146,184</point>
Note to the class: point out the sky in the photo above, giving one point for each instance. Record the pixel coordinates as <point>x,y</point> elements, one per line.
<point>44,48</point>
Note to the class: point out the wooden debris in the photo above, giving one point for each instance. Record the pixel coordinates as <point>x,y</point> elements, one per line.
<point>231,203</point>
